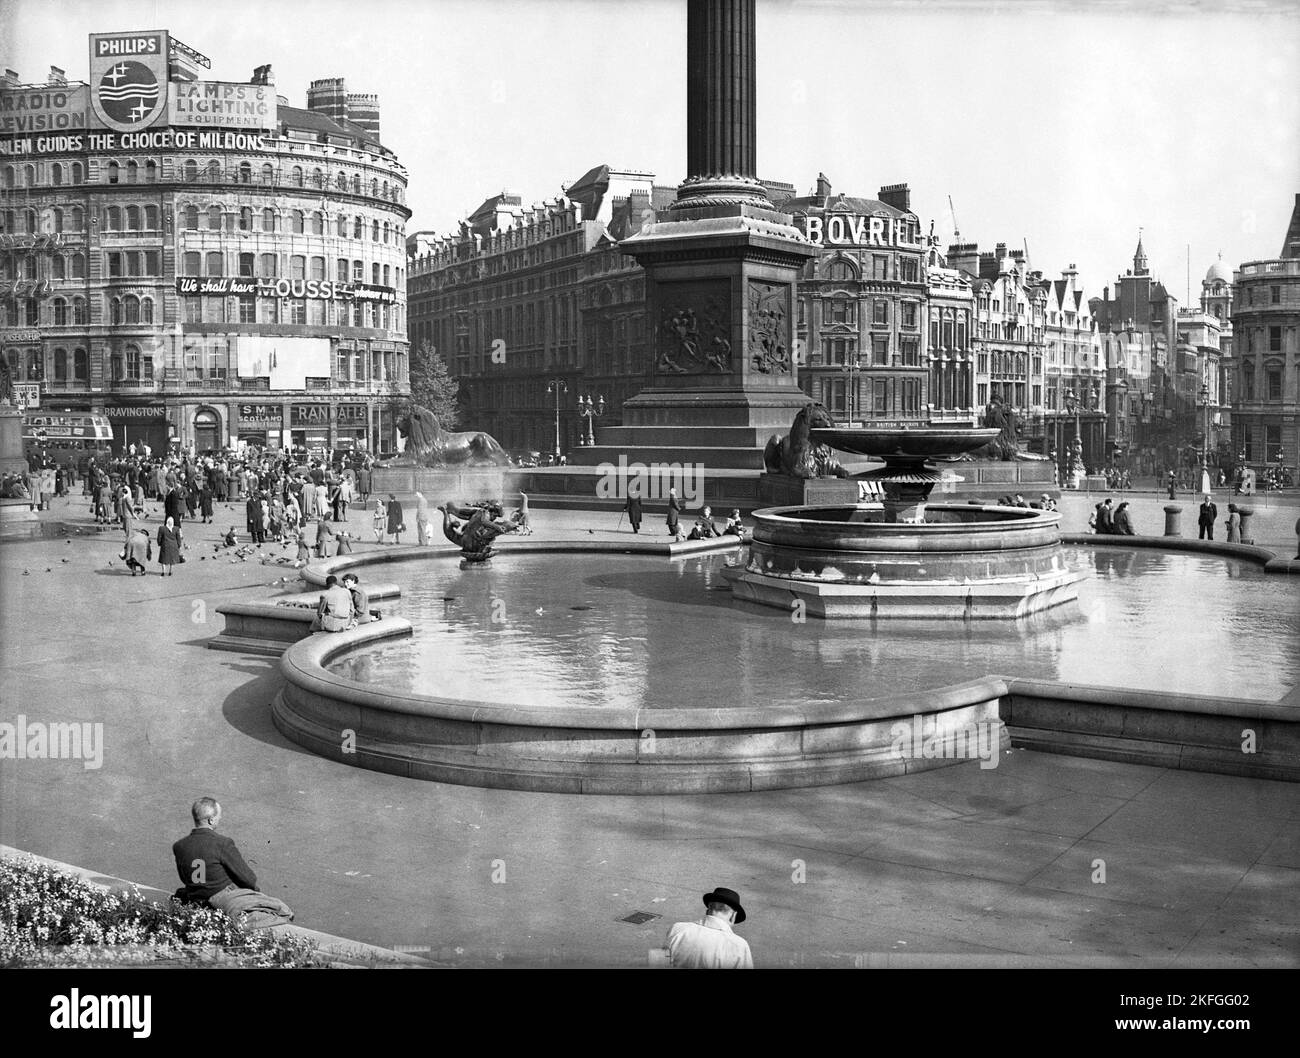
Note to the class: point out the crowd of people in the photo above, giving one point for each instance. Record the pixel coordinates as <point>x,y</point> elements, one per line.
<point>1106,520</point>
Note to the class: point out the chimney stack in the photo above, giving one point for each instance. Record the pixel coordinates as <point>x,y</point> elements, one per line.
<point>897,195</point>
<point>58,76</point>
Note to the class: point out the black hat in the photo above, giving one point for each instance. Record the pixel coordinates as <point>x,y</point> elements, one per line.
<point>729,897</point>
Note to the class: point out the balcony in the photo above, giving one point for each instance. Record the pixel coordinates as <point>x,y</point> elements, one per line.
<point>143,385</point>
<point>316,383</point>
<point>260,382</point>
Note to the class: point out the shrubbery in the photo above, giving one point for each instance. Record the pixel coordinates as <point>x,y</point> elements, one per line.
<point>49,917</point>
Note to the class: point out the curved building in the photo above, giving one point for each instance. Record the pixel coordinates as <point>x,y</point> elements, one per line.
<point>197,259</point>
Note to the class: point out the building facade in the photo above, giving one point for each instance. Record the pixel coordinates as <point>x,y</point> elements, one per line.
<point>534,308</point>
<point>221,268</point>
<point>1266,354</point>
<point>1076,385</point>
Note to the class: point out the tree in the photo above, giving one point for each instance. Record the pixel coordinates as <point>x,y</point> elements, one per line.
<point>433,386</point>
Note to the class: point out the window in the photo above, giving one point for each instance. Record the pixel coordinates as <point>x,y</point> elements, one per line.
<point>911,351</point>
<point>318,221</point>
<point>909,270</point>
<point>132,172</point>
<point>356,227</point>
<point>268,266</point>
<point>879,266</point>
<point>214,218</point>
<point>245,219</point>
<point>298,310</point>
<point>60,365</point>
<point>342,227</point>
<point>1274,381</point>
<point>386,275</point>
<point>192,263</point>
<point>268,173</point>
<point>1247,381</point>
<point>60,312</point>
<point>840,271</point>
<point>318,268</point>
<point>1275,339</point>
<point>114,266</point>
<point>190,218</point>
<point>246,265</point>
<point>316,312</point>
<point>1275,295</point>
<point>146,310</point>
<point>114,219</point>
<point>911,398</point>
<point>245,173</point>
<point>77,174</point>
<point>341,270</point>
<point>374,231</point>
<point>880,349</point>
<point>879,397</point>
<point>295,222</point>
<point>191,170</point>
<point>214,171</point>
<point>374,279</point>
<point>879,313</point>
<point>35,366</point>
<point>909,315</point>
<point>297,267</point>
<point>268,220</point>
<point>358,272</point>
<point>133,362</point>
<point>151,172</point>
<point>113,172</point>
<point>115,311</point>
<point>295,176</point>
<point>131,309</point>
<point>193,310</point>
<point>214,263</point>
<point>342,181</point>
<point>839,310</point>
<point>247,308</point>
<point>80,312</point>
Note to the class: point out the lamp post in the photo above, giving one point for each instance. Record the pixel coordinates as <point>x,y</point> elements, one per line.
<point>590,411</point>
<point>851,368</point>
<point>1076,472</point>
<point>557,386</point>
<point>1203,402</point>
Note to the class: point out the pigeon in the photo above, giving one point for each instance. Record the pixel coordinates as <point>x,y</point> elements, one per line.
<point>110,561</point>
<point>64,560</point>
<point>27,573</point>
<point>48,570</point>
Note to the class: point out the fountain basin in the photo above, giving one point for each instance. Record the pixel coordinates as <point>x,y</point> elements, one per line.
<point>965,561</point>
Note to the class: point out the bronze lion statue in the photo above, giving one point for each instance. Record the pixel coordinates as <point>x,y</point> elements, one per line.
<point>429,445</point>
<point>797,455</point>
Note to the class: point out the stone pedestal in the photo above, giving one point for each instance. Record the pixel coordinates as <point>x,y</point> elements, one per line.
<point>12,460</point>
<point>1247,534</point>
<point>1173,516</point>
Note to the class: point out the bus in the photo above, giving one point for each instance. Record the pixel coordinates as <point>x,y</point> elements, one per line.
<point>66,437</point>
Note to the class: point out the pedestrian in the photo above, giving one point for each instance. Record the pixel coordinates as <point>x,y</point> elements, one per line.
<point>205,501</point>
<point>126,515</point>
<point>378,519</point>
<point>396,519</point>
<point>522,518</point>
<point>222,880</point>
<point>1205,520</point>
<point>1234,524</point>
<point>361,612</point>
<point>1123,525</point>
<point>47,488</point>
<point>334,610</point>
<point>1172,481</point>
<point>170,542</point>
<point>174,504</point>
<point>422,519</point>
<point>674,510</point>
<point>139,550</point>
<point>346,496</point>
<point>324,534</point>
<point>335,494</point>
<point>363,481</point>
<point>633,508</point>
<point>711,943</point>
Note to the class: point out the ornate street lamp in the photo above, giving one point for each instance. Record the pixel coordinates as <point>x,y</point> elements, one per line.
<point>590,411</point>
<point>557,386</point>
<point>1203,402</point>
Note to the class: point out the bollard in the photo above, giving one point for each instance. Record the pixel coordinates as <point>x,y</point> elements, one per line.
<point>1246,512</point>
<point>1173,513</point>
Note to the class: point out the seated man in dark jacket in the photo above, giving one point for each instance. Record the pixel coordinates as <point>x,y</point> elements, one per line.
<point>214,872</point>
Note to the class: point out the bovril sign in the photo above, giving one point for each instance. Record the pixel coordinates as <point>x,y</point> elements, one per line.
<point>846,229</point>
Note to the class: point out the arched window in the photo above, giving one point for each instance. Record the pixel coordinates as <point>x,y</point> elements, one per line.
<point>132,172</point>
<point>214,171</point>
<point>317,178</point>
<point>131,309</point>
<point>59,267</point>
<point>60,312</point>
<point>29,175</point>
<point>356,183</point>
<point>115,311</point>
<point>318,222</point>
<point>7,177</point>
<point>214,263</point>
<point>80,312</point>
<point>268,220</point>
<point>245,218</point>
<point>146,310</point>
<point>80,365</point>
<point>150,172</point>
<point>60,365</point>
<point>56,178</point>
<point>356,227</point>
<point>295,221</point>
<point>385,189</point>
<point>268,173</point>
<point>78,174</point>
<point>295,176</point>
<point>374,187</point>
<point>191,170</point>
<point>132,218</point>
<point>151,218</point>
<point>840,271</point>
<point>15,363</point>
<point>342,181</point>
<point>113,172</point>
<point>35,366</point>
<point>30,222</point>
<point>245,173</point>
<point>78,266</point>
<point>342,227</point>
<point>214,218</point>
<point>58,219</point>
<point>114,221</point>
<point>133,361</point>
<point>374,231</point>
<point>78,221</point>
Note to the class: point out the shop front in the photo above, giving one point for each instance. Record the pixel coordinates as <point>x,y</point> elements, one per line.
<point>142,425</point>
<point>309,429</point>
<point>261,425</point>
<point>207,431</point>
<point>352,427</point>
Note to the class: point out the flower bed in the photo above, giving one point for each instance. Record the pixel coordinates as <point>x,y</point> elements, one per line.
<point>49,918</point>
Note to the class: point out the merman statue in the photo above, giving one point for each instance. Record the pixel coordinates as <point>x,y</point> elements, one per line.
<point>475,533</point>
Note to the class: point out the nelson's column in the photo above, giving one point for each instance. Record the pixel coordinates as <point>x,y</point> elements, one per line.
<point>721,265</point>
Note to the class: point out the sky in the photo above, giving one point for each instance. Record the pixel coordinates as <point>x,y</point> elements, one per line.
<point>1061,126</point>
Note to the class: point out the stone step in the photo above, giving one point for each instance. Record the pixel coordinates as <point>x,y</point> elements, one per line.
<point>717,457</point>
<point>684,436</point>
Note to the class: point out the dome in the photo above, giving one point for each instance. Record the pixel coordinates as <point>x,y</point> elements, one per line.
<point>1219,271</point>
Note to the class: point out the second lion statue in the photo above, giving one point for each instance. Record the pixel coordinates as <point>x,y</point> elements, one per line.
<point>797,454</point>
<point>429,445</point>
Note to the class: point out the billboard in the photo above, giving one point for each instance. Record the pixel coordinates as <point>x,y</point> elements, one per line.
<point>129,79</point>
<point>222,104</point>
<point>29,110</point>
<point>287,362</point>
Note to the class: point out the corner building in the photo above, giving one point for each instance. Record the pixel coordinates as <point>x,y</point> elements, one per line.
<point>198,260</point>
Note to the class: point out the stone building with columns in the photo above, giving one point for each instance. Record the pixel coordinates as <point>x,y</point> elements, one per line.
<point>207,266</point>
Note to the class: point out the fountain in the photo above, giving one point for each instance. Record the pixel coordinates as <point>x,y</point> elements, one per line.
<point>906,557</point>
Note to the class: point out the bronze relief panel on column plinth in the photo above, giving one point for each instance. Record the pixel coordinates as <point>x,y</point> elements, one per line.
<point>694,331</point>
<point>769,328</point>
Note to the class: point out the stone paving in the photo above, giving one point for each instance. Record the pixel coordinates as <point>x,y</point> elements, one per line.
<point>957,866</point>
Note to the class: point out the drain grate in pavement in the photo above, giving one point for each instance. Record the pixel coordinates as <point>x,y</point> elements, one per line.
<point>638,918</point>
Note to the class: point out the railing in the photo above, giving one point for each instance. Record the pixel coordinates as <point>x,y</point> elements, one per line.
<point>135,383</point>
<point>316,383</point>
<point>261,382</point>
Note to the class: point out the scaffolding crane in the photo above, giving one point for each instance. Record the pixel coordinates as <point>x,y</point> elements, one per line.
<point>956,229</point>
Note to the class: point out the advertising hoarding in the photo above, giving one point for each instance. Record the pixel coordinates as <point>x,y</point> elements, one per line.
<point>222,104</point>
<point>287,362</point>
<point>129,79</point>
<point>43,109</point>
